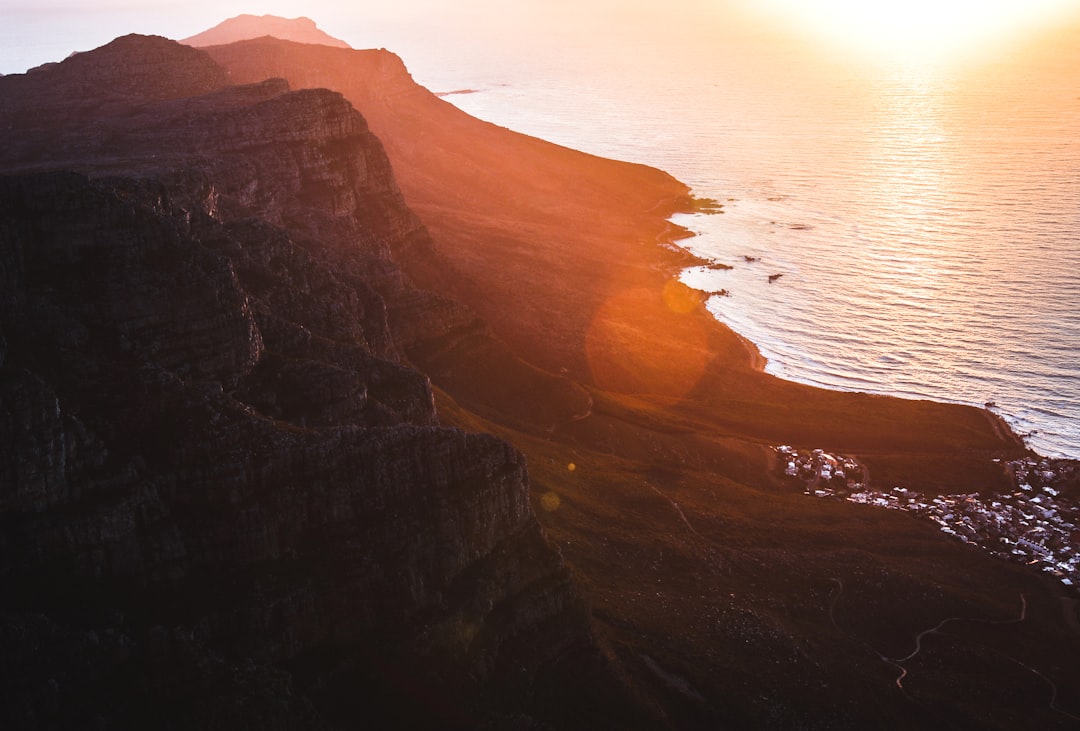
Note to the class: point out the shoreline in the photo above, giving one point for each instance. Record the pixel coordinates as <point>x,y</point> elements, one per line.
<point>757,361</point>
<point>670,240</point>
<point>1002,423</point>
<point>676,253</point>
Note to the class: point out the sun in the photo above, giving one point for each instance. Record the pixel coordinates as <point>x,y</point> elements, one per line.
<point>915,28</point>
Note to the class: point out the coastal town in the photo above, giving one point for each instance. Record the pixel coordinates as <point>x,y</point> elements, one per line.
<point>1035,524</point>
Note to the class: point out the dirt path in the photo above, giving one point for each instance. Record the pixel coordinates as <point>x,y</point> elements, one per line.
<point>678,509</point>
<point>898,662</point>
<point>833,599</point>
<point>587,413</point>
<point>941,625</point>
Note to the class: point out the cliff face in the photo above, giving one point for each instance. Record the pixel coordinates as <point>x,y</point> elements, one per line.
<point>224,495</point>
<point>497,202</point>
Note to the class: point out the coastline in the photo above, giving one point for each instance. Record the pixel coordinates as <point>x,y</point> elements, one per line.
<point>1008,427</point>
<point>757,361</point>
<point>670,239</point>
<point>1005,430</point>
<point>792,332</point>
<point>574,241</point>
<point>1011,428</point>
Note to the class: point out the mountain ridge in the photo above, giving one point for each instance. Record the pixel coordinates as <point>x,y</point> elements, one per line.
<point>247,341</point>
<point>204,394</point>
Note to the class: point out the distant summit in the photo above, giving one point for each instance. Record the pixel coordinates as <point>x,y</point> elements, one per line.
<point>245,27</point>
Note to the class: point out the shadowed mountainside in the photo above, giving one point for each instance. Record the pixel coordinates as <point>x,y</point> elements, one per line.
<point>231,489</point>
<point>224,495</point>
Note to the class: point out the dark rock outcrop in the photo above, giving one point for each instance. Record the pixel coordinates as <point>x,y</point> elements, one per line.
<point>224,495</point>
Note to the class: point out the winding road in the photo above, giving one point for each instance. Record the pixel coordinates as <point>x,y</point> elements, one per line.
<point>897,662</point>
<point>938,627</point>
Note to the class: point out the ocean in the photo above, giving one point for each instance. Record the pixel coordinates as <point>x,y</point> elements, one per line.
<point>924,219</point>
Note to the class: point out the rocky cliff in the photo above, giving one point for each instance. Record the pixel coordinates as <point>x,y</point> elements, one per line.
<point>225,498</point>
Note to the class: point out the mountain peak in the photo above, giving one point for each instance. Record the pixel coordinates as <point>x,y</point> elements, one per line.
<point>244,27</point>
<point>148,67</point>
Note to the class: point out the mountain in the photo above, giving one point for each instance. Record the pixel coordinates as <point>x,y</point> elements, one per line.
<point>327,405</point>
<point>242,27</point>
<point>226,498</point>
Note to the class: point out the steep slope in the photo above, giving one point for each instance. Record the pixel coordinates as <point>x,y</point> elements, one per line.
<point>496,201</point>
<point>224,496</point>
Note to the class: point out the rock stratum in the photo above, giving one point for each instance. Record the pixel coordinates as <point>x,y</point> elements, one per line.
<point>324,405</point>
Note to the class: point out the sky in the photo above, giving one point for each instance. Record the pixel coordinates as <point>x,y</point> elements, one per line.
<point>33,32</point>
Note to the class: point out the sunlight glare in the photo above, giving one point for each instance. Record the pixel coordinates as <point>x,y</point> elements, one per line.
<point>916,29</point>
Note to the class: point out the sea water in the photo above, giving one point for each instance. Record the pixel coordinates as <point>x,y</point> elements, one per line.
<point>924,219</point>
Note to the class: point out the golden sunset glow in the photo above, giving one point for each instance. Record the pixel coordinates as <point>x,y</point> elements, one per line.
<point>916,28</point>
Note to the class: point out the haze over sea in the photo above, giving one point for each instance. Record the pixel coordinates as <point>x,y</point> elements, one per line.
<point>925,217</point>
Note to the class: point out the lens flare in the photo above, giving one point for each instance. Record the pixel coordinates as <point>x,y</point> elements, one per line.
<point>550,502</point>
<point>666,364</point>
